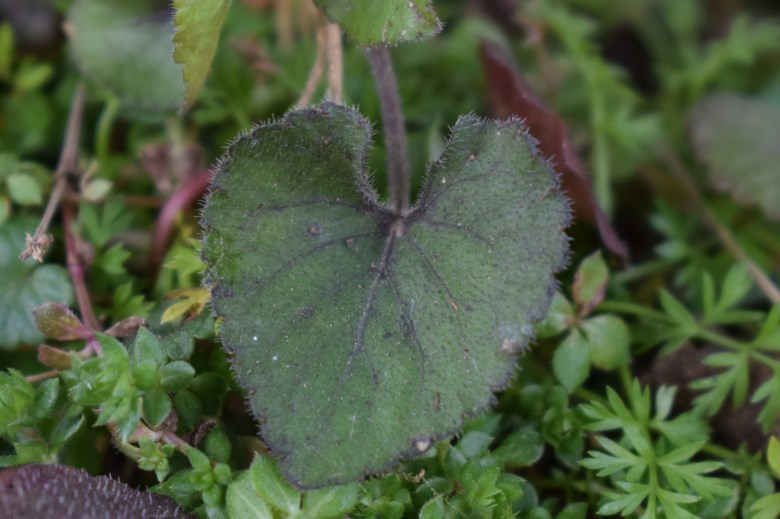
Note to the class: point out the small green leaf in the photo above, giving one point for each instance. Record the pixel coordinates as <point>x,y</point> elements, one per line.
<point>343,315</point>
<point>16,399</point>
<point>571,361</point>
<point>65,429</point>
<point>243,501</point>
<point>736,286</point>
<point>560,317</point>
<point>96,190</point>
<point>768,507</point>
<point>573,511</point>
<point>198,460</point>
<point>127,49</point>
<point>217,445</point>
<point>590,283</point>
<point>24,190</point>
<point>176,375</point>
<point>389,22</point>
<point>330,502</point>
<point>6,50</point>
<point>148,348</point>
<point>5,208</point>
<point>156,407</point>
<point>608,341</point>
<point>45,397</point>
<point>272,488</point>
<point>773,456</point>
<point>145,375</point>
<point>198,24</point>
<point>474,444</point>
<point>433,509</point>
<point>32,76</point>
<point>188,408</point>
<point>522,448</point>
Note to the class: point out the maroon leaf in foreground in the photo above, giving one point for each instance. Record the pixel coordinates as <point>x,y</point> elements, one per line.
<point>510,94</point>
<point>56,321</point>
<point>62,492</point>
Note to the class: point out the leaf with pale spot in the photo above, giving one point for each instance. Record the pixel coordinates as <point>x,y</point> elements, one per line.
<point>361,335</point>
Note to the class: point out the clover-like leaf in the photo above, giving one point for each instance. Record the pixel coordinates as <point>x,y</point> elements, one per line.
<point>198,24</point>
<point>375,22</point>
<point>25,285</point>
<point>363,335</point>
<point>127,48</point>
<point>737,137</point>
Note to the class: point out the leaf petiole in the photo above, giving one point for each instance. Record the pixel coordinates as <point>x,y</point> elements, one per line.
<point>393,122</point>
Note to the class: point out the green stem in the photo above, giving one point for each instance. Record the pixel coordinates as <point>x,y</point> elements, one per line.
<point>624,307</point>
<point>393,123</point>
<point>719,451</point>
<point>625,379</point>
<point>104,126</point>
<point>730,343</point>
<point>588,395</point>
<point>601,165</point>
<point>641,271</point>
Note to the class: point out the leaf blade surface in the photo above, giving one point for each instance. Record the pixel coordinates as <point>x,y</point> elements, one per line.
<point>364,336</point>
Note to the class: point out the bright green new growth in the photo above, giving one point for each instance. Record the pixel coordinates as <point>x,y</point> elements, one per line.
<point>375,22</point>
<point>198,24</point>
<point>127,48</point>
<point>361,335</point>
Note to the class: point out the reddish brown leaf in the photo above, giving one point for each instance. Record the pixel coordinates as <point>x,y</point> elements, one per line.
<point>56,321</point>
<point>127,327</point>
<point>511,95</point>
<point>52,357</point>
<point>42,491</point>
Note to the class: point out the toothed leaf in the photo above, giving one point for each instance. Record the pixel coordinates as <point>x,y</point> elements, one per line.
<point>198,24</point>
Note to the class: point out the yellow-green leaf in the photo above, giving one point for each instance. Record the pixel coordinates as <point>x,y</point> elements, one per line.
<point>198,23</point>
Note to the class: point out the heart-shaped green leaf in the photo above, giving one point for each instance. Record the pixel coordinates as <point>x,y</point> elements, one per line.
<point>361,335</point>
<point>126,47</point>
<point>375,22</point>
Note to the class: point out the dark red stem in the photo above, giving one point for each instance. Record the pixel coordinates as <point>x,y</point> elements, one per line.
<point>184,197</point>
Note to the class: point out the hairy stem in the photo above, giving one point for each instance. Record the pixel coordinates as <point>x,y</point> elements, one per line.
<point>393,122</point>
